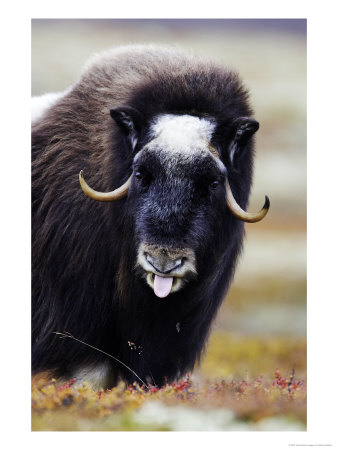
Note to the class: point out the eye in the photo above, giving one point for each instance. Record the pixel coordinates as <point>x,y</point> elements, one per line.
<point>138,174</point>
<point>214,184</point>
<point>143,176</point>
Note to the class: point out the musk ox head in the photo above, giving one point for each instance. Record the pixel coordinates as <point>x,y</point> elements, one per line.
<point>179,192</point>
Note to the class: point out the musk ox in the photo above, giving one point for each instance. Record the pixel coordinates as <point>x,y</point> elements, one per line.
<point>136,259</point>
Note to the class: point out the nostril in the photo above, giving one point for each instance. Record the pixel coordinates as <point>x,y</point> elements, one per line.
<point>151,261</point>
<point>181,261</point>
<point>149,258</point>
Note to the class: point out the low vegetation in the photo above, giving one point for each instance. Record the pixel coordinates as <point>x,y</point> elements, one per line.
<point>211,399</point>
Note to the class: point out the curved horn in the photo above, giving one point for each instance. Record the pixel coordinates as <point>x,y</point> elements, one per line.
<point>117,194</point>
<point>238,212</point>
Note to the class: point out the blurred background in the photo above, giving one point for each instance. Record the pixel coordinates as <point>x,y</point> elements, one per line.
<point>262,323</point>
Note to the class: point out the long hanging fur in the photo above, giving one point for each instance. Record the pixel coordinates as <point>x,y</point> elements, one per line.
<point>83,252</point>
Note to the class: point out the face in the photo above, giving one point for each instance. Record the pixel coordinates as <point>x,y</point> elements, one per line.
<point>179,195</point>
<point>177,191</point>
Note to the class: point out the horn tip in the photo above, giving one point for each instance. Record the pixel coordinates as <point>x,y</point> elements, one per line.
<point>81,177</point>
<point>266,203</point>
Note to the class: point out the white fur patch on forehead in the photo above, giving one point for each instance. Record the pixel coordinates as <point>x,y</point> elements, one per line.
<point>182,133</point>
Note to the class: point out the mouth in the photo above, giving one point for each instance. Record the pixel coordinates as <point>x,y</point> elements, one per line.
<point>165,270</point>
<point>163,285</point>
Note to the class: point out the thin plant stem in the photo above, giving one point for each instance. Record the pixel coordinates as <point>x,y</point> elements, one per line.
<point>68,335</point>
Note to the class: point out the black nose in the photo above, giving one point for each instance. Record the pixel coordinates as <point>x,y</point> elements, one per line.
<point>162,263</point>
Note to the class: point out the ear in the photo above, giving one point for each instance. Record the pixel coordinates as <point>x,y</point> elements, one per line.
<point>242,130</point>
<point>129,121</point>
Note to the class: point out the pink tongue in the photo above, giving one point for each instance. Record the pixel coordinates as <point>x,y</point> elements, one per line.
<point>162,286</point>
